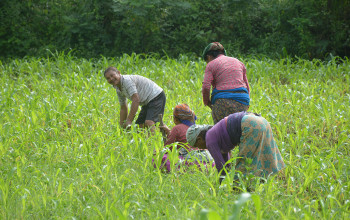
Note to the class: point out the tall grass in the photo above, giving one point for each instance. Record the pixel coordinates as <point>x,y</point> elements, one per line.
<point>63,154</point>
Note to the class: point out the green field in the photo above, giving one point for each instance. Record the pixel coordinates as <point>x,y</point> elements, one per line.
<point>64,156</point>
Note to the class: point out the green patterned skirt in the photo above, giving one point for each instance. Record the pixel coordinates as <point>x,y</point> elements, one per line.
<point>258,151</point>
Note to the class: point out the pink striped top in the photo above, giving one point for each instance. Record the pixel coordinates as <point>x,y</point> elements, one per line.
<point>224,73</point>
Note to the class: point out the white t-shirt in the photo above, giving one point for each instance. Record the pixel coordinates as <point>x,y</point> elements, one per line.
<point>144,87</point>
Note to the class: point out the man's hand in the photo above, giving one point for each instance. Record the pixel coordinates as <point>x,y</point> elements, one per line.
<point>127,124</point>
<point>134,106</point>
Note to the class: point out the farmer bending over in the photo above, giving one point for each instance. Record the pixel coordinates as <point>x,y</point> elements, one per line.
<point>251,132</point>
<point>142,92</point>
<point>183,118</point>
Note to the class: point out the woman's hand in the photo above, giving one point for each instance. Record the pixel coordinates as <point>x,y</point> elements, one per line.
<point>164,128</point>
<point>209,105</point>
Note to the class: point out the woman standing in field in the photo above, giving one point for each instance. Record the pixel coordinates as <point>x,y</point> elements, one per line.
<point>258,151</point>
<point>183,118</point>
<point>228,78</point>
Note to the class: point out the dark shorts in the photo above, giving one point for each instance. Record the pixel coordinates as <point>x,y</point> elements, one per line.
<point>152,109</point>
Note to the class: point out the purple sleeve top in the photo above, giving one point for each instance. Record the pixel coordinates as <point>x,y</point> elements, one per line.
<point>218,140</point>
<point>219,144</point>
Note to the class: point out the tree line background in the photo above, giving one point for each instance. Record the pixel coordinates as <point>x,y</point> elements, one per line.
<point>91,28</point>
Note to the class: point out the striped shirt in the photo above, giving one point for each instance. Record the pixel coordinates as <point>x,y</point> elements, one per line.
<point>132,84</point>
<point>224,73</point>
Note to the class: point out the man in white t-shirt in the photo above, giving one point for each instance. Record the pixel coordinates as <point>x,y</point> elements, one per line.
<point>140,91</point>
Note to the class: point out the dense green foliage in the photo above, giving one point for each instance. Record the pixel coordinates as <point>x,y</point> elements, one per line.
<point>64,156</point>
<point>303,28</point>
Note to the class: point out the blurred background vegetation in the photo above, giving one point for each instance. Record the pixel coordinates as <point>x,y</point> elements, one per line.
<point>90,28</point>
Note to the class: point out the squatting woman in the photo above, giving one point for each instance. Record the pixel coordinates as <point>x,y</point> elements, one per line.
<point>183,118</point>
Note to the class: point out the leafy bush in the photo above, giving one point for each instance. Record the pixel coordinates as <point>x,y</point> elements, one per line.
<point>308,29</point>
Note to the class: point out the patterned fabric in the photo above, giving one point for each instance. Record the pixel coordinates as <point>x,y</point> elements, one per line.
<point>197,158</point>
<point>225,107</point>
<point>258,145</point>
<point>213,46</point>
<point>184,114</point>
<point>224,73</point>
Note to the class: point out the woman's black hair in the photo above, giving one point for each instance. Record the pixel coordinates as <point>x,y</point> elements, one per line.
<point>203,133</point>
<point>256,114</point>
<point>214,53</point>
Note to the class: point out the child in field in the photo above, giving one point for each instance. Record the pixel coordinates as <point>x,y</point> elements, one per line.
<point>258,151</point>
<point>183,118</point>
<point>142,92</point>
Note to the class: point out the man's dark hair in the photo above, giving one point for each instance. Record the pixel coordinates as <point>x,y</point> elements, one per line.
<point>111,68</point>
